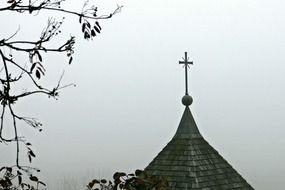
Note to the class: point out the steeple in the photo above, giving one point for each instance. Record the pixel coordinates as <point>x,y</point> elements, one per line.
<point>188,161</point>
<point>187,126</point>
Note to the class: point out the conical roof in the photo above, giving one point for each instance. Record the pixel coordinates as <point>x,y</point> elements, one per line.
<point>188,161</point>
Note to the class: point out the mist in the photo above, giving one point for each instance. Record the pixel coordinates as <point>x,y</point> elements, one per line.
<point>126,105</point>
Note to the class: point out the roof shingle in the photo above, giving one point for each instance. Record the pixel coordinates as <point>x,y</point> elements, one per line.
<point>188,161</point>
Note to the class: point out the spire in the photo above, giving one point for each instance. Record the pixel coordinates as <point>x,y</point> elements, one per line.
<point>188,161</point>
<point>186,100</point>
<point>187,127</point>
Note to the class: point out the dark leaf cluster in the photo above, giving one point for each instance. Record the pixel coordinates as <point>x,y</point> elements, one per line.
<point>13,179</point>
<point>140,180</point>
<point>89,30</point>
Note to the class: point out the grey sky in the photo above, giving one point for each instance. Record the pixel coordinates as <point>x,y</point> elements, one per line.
<point>126,105</point>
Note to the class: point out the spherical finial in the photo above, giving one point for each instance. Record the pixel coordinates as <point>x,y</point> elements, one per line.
<point>187,100</point>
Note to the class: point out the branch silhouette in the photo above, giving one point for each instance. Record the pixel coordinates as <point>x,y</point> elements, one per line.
<point>12,72</point>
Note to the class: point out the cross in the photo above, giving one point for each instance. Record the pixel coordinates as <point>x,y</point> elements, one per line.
<point>186,63</point>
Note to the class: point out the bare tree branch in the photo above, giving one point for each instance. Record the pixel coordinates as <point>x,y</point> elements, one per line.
<point>13,71</point>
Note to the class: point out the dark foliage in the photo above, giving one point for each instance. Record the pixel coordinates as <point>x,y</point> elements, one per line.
<point>140,180</point>
<point>13,180</point>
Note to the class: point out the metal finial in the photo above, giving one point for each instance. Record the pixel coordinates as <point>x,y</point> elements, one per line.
<point>186,63</point>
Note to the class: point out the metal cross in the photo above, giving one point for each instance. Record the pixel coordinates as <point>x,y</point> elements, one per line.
<point>186,63</point>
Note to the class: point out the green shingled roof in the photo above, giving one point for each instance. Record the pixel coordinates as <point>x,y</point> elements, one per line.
<point>188,161</point>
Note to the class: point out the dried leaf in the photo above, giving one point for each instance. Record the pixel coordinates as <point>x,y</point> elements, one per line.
<point>38,74</point>
<point>86,35</point>
<point>93,33</point>
<point>32,153</point>
<point>34,178</point>
<point>33,66</point>
<point>97,29</point>
<point>83,27</point>
<point>91,184</point>
<point>88,25</point>
<point>97,23</point>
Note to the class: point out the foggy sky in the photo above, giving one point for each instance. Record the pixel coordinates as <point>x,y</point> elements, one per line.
<point>127,103</point>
